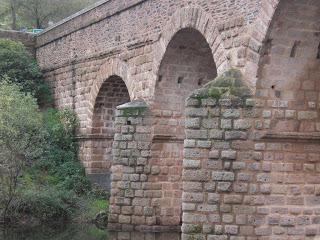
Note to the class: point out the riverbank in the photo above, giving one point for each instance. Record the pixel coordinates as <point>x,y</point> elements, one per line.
<point>55,232</point>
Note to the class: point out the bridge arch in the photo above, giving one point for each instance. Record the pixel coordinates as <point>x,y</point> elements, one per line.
<point>113,67</point>
<point>109,90</point>
<point>190,18</point>
<point>286,67</point>
<point>187,64</point>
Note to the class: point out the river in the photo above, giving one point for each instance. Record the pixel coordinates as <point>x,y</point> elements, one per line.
<point>79,232</point>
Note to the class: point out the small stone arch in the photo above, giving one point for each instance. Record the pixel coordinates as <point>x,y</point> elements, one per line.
<point>109,89</point>
<point>113,67</point>
<point>196,19</point>
<point>257,37</point>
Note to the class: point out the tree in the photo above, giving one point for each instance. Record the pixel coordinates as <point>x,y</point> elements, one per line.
<point>13,6</point>
<point>21,137</point>
<point>5,14</point>
<point>38,13</point>
<point>19,67</point>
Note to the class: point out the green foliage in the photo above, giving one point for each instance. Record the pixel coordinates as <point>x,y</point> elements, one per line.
<point>41,176</point>
<point>38,14</point>
<point>60,154</point>
<point>57,179</point>
<point>21,137</point>
<point>19,67</point>
<point>46,203</point>
<point>55,232</point>
<point>20,122</point>
<point>94,206</point>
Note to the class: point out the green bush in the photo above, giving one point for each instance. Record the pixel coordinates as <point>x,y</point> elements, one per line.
<point>49,181</point>
<point>21,138</point>
<point>60,154</point>
<point>46,203</point>
<point>17,65</point>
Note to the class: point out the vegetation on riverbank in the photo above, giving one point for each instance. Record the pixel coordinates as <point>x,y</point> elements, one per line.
<point>41,180</point>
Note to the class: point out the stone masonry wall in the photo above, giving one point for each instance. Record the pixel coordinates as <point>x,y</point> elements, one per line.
<point>249,168</point>
<point>134,196</point>
<point>243,180</point>
<point>286,132</point>
<point>222,181</point>
<point>135,32</point>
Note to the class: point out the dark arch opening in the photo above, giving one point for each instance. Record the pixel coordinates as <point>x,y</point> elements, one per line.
<point>112,93</point>
<point>187,65</point>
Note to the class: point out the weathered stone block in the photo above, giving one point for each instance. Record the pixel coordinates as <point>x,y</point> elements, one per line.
<point>223,176</point>
<point>192,197</point>
<point>196,112</point>
<point>228,155</point>
<point>197,134</point>
<point>195,175</point>
<point>213,198</point>
<point>192,123</point>
<point>231,113</point>
<point>216,134</point>
<point>214,154</point>
<point>242,124</point>
<point>235,135</point>
<point>189,164</point>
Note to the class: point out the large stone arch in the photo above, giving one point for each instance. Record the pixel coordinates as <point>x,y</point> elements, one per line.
<point>197,19</point>
<point>285,66</point>
<point>189,54</point>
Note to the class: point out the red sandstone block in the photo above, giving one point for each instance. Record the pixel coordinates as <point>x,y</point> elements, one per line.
<point>170,221</point>
<point>246,230</point>
<point>138,220</point>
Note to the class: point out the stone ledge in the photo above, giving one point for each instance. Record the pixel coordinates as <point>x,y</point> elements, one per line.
<point>133,105</point>
<point>292,136</point>
<point>166,138</point>
<point>134,108</point>
<point>94,137</point>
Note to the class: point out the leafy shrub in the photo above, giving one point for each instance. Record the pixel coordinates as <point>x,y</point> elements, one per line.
<point>40,151</point>
<point>21,137</point>
<point>17,65</point>
<point>47,203</point>
<point>60,154</point>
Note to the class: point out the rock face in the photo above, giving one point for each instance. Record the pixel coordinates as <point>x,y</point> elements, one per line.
<point>236,159</point>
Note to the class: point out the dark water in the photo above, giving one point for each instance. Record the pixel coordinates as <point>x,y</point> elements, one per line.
<point>79,232</point>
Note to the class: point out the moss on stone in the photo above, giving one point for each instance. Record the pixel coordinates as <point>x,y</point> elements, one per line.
<point>195,229</point>
<point>228,85</point>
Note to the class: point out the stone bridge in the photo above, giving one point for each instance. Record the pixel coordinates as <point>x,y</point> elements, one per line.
<point>219,165</point>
